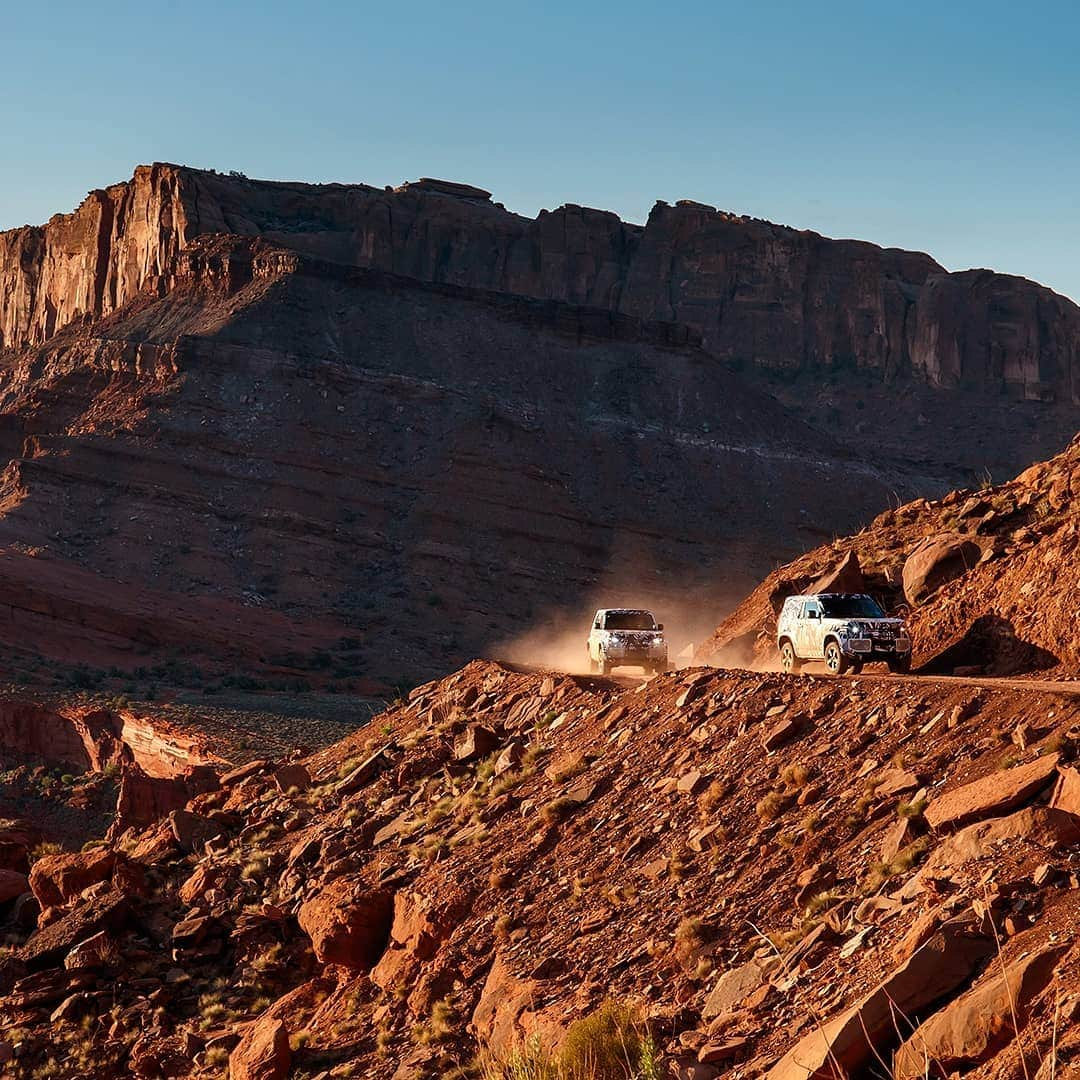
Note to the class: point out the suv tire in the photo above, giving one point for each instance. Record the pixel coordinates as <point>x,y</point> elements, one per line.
<point>835,660</point>
<point>789,662</point>
<point>605,668</point>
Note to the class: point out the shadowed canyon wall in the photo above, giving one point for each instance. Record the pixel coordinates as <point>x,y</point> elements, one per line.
<point>759,294</point>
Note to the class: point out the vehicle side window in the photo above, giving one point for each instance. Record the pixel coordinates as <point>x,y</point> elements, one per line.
<point>810,606</point>
<point>596,625</point>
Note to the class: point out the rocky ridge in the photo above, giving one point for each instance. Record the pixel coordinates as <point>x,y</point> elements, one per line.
<point>751,867</point>
<point>989,578</point>
<point>207,379</point>
<point>389,442</point>
<point>758,294</point>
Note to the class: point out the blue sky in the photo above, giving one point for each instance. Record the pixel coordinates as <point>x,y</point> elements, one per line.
<point>950,128</point>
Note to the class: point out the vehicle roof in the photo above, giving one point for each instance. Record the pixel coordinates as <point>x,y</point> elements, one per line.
<point>623,611</point>
<point>819,595</point>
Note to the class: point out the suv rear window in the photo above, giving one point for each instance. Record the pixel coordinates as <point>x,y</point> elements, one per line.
<point>629,620</point>
<point>850,607</point>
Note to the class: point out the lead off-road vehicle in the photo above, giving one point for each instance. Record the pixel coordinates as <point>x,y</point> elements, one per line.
<point>625,637</point>
<point>845,630</point>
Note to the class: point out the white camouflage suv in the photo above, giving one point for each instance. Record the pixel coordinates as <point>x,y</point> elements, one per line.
<point>622,637</point>
<point>846,630</point>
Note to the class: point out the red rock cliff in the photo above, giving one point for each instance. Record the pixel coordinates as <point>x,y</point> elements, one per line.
<point>758,293</point>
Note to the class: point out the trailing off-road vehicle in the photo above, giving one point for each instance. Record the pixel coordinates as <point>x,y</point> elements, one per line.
<point>626,637</point>
<point>845,630</point>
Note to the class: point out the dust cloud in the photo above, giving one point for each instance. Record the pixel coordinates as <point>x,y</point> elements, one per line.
<point>557,640</point>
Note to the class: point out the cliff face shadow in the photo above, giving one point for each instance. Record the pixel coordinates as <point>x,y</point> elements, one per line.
<point>991,644</point>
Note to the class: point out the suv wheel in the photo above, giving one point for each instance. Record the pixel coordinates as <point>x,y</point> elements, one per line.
<point>605,668</point>
<point>789,663</point>
<point>835,660</point>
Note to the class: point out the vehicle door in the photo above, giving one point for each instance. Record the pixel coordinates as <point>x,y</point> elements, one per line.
<point>811,646</point>
<point>595,634</point>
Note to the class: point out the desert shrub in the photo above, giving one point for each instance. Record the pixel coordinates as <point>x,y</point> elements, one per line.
<point>903,861</point>
<point>216,1057</point>
<point>795,777</point>
<point>47,847</point>
<point>690,935</point>
<point>821,901</point>
<point>772,806</point>
<point>713,796</point>
<point>913,809</point>
<point>570,768</point>
<point>557,810</point>
<point>679,863</point>
<point>608,1044</point>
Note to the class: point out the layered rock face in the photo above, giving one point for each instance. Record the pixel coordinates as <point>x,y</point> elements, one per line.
<point>282,453</point>
<point>246,422</point>
<point>759,294</point>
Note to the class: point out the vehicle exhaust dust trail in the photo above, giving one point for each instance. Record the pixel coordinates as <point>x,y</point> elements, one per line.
<point>558,638</point>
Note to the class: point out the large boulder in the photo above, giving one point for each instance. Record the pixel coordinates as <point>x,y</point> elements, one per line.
<point>263,1053</point>
<point>348,923</point>
<point>16,839</point>
<point>192,831</point>
<point>477,742</point>
<point>154,1058</point>
<point>97,951</point>
<point>507,1014</point>
<point>1067,790</point>
<point>981,1021</point>
<point>846,1044</point>
<point>995,794</point>
<point>55,879</point>
<point>50,944</point>
<point>735,985</point>
<point>846,577</point>
<point>1041,828</point>
<point>937,560</point>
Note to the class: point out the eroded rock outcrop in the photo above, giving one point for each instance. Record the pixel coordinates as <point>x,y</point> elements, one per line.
<point>348,923</point>
<point>992,795</point>
<point>848,1042</point>
<point>977,1024</point>
<point>757,293</point>
<point>643,866</point>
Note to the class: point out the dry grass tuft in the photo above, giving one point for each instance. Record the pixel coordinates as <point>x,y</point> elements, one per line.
<point>713,796</point>
<point>771,807</point>
<point>796,776</point>
<point>609,1044</point>
<point>557,810</point>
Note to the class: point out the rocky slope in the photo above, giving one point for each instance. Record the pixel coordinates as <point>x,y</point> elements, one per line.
<point>239,447</point>
<point>759,294</point>
<point>721,873</point>
<point>991,577</point>
<point>296,470</point>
